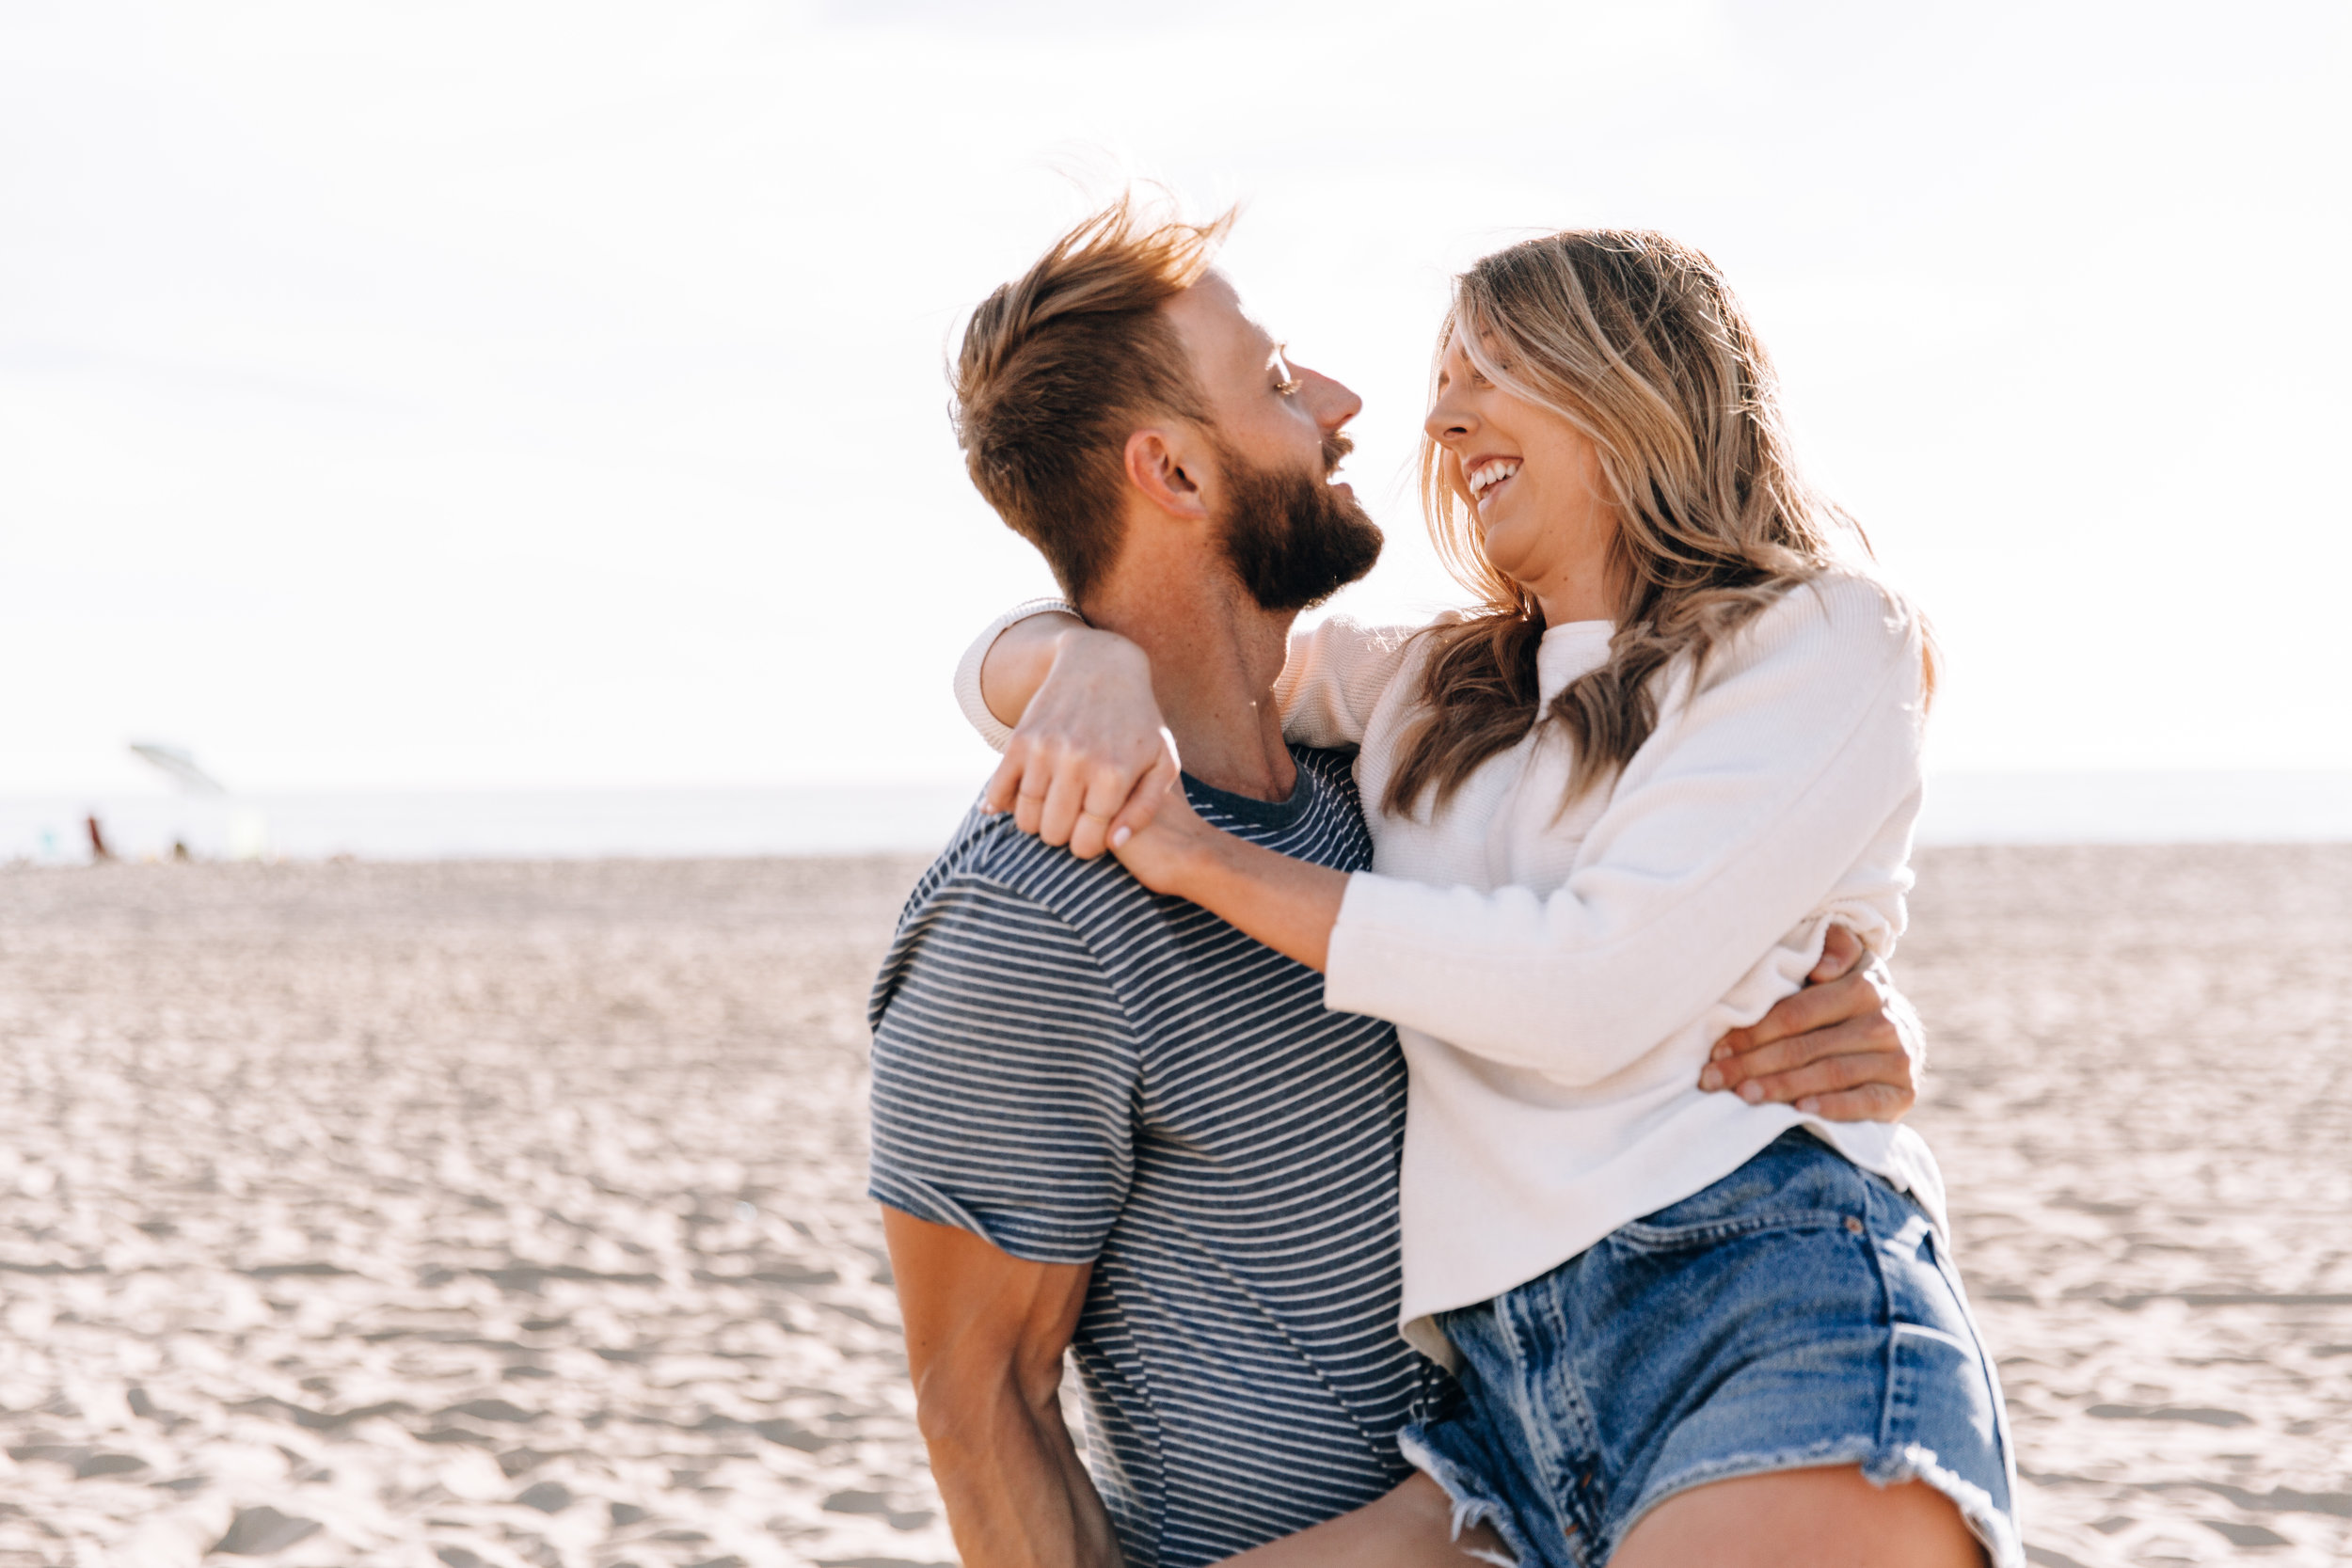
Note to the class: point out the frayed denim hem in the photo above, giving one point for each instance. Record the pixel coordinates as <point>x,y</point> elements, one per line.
<point>1473,1505</point>
<point>1994,1530</point>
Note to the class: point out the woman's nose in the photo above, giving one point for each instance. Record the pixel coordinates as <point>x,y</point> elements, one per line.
<point>1448,421</point>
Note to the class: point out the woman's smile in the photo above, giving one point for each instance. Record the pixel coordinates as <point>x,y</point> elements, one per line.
<point>1486,477</point>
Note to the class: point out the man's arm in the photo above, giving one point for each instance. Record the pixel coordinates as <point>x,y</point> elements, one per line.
<point>985,1336</point>
<point>1847,1048</point>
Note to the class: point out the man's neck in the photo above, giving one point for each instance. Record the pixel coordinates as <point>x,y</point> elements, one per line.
<point>1216,654</point>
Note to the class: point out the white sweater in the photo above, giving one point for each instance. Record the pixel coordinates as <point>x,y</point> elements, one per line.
<point>1557,978</point>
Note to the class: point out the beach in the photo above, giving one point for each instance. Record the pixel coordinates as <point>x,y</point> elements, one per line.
<point>512,1214</point>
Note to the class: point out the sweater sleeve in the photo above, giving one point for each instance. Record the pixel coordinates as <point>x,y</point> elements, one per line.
<point>1731,826</point>
<point>1334,676</point>
<point>993,730</point>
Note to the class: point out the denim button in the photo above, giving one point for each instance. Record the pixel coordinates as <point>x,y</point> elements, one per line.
<point>1854,1225</point>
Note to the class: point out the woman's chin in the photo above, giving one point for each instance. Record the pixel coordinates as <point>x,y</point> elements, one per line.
<point>1505,550</point>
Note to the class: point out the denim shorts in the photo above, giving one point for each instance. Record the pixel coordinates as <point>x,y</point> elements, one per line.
<point>1798,1312</point>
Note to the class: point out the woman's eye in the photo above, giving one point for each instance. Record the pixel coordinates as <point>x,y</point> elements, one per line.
<point>1288,387</point>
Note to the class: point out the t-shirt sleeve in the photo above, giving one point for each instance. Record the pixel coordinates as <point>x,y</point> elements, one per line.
<point>1005,1075</point>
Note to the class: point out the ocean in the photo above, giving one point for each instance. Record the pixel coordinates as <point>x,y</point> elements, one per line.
<point>839,819</point>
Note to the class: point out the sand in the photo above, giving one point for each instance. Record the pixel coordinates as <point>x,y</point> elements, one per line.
<point>2141,1093</point>
<point>511,1214</point>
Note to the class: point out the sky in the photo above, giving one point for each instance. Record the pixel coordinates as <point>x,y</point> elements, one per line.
<point>493,395</point>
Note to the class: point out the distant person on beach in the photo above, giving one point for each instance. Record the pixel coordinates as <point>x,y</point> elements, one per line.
<point>1617,809</point>
<point>1106,1121</point>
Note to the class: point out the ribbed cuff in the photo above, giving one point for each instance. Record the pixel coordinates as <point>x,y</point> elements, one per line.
<point>994,731</point>
<point>1351,967</point>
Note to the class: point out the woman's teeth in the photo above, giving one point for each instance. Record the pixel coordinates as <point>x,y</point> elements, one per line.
<point>1488,475</point>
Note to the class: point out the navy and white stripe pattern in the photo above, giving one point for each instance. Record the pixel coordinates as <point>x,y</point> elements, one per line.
<point>1078,1070</point>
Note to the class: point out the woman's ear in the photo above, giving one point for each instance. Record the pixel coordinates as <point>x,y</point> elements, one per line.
<point>1156,466</point>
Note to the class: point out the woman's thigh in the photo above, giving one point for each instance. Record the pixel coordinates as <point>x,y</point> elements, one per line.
<point>1410,1528</point>
<point>1818,1518</point>
<point>1794,1320</point>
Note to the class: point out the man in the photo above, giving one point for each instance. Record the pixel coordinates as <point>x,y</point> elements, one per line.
<point>1107,1123</point>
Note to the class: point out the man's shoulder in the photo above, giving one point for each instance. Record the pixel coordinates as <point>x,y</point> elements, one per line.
<point>1000,900</point>
<point>1004,1064</point>
<point>990,855</point>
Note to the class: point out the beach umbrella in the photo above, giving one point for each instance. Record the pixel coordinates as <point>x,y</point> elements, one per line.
<point>176,764</point>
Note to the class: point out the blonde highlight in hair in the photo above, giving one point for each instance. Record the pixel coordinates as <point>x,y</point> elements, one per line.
<point>1637,341</point>
<point>1061,365</point>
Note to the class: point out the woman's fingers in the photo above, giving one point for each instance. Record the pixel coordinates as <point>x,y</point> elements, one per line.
<point>1066,792</point>
<point>1028,801</point>
<point>1106,792</point>
<point>1004,785</point>
<point>1065,797</point>
<point>1143,803</point>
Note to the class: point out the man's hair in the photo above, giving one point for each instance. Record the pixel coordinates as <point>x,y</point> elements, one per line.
<point>1060,365</point>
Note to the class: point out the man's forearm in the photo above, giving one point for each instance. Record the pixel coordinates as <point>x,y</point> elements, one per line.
<point>1017,1495</point>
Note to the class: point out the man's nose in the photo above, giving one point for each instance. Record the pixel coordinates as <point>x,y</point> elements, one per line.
<point>1332,402</point>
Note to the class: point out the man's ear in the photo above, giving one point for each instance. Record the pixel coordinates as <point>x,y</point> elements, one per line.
<point>1156,465</point>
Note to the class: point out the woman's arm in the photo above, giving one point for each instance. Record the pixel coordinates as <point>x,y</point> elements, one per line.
<point>1846,1048</point>
<point>1758,795</point>
<point>1008,662</point>
<point>1335,675</point>
<point>1734,823</point>
<point>1290,905</point>
<point>1087,756</point>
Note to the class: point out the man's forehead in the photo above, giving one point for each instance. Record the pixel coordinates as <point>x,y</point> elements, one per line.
<point>1211,315</point>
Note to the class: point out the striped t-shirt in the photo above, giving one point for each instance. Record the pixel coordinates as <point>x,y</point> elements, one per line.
<point>1076,1070</point>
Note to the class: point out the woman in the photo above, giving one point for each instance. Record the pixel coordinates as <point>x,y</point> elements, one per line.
<point>1616,811</point>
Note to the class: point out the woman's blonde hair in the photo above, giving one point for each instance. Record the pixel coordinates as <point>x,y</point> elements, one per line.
<point>1638,343</point>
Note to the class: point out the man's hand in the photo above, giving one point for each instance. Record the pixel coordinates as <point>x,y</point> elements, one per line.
<point>1091,754</point>
<point>1847,1048</point>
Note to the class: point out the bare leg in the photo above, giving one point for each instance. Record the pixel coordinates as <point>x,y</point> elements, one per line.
<point>1410,1528</point>
<point>1821,1518</point>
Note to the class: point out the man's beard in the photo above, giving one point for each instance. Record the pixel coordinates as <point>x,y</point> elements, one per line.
<point>1293,540</point>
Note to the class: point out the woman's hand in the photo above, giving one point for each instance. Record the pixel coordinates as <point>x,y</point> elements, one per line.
<point>1847,1048</point>
<point>1287,903</point>
<point>1171,850</point>
<point>1092,755</point>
